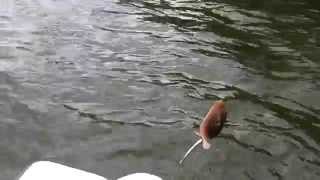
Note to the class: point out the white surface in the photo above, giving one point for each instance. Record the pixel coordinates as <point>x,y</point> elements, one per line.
<point>140,176</point>
<point>45,170</point>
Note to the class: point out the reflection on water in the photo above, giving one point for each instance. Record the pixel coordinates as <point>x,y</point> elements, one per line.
<point>117,86</point>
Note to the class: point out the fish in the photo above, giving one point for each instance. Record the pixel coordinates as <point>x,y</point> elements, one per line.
<point>210,127</point>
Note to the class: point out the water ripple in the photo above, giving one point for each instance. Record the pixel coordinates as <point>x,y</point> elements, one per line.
<point>125,81</point>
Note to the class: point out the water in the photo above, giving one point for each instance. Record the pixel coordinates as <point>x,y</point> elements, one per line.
<point>118,86</point>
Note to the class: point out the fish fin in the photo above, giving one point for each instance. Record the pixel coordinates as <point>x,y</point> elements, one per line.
<point>229,123</point>
<point>206,144</point>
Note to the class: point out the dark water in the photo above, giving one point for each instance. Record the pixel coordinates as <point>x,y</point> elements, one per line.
<point>116,86</point>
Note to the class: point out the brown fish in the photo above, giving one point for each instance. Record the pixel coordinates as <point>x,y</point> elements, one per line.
<point>210,126</point>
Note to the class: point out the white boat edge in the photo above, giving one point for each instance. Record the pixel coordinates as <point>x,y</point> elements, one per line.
<point>140,176</point>
<point>48,170</point>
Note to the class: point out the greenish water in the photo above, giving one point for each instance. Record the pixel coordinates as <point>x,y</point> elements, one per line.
<point>115,87</point>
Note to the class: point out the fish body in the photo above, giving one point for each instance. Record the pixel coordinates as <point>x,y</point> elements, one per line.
<point>212,123</point>
<point>210,127</point>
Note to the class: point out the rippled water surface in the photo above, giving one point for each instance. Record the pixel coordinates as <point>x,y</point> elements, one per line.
<point>118,86</point>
